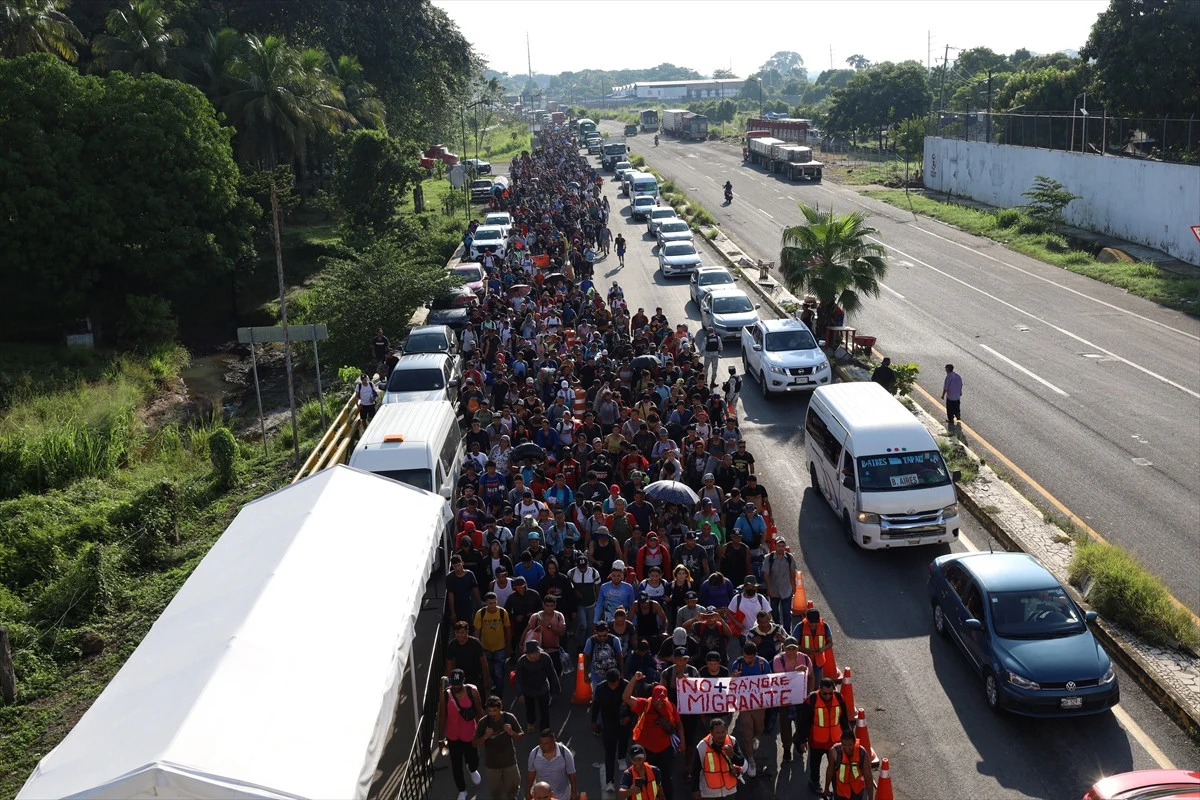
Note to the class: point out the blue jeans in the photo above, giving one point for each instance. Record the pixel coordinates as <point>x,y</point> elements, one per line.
<point>781,608</point>
<point>496,660</point>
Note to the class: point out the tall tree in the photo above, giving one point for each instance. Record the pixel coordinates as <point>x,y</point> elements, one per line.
<point>114,187</point>
<point>977,60</point>
<point>830,257</point>
<point>723,73</point>
<point>1147,57</point>
<point>858,62</point>
<point>37,26</point>
<point>373,173</point>
<point>139,39</point>
<point>785,61</point>
<point>360,96</point>
<point>207,65</point>
<point>879,97</point>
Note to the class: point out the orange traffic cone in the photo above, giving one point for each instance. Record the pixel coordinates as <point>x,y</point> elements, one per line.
<point>830,670</point>
<point>583,687</point>
<point>771,529</point>
<point>799,593</point>
<point>884,790</point>
<point>863,735</point>
<point>848,691</point>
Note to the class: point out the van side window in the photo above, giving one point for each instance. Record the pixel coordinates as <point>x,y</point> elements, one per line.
<point>449,452</point>
<point>823,438</point>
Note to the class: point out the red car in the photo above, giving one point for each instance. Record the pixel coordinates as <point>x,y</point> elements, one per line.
<point>1148,784</point>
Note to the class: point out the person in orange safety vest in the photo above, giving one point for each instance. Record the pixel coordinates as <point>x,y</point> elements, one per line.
<point>642,781</point>
<point>718,763</point>
<point>821,719</point>
<point>848,775</point>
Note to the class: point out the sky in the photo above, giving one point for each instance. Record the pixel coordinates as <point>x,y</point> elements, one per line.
<point>573,35</point>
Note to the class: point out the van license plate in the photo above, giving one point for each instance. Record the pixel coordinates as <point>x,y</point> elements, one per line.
<point>1071,702</point>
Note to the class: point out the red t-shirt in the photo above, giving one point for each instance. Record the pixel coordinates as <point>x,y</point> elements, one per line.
<point>648,732</point>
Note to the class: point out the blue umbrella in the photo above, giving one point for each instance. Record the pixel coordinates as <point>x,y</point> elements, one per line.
<point>672,492</point>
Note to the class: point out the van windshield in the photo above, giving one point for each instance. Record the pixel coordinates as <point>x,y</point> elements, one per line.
<point>420,478</point>
<point>416,380</point>
<point>896,471</point>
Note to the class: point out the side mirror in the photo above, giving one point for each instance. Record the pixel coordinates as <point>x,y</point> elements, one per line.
<point>956,476</point>
<point>973,624</point>
<point>757,347</point>
<point>1090,616</point>
<point>757,306</point>
<point>454,383</point>
<point>848,481</point>
<point>820,342</point>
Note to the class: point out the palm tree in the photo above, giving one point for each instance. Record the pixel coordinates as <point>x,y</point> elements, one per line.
<point>264,106</point>
<point>359,95</point>
<point>208,66</point>
<point>138,41</point>
<point>37,26</point>
<point>829,257</point>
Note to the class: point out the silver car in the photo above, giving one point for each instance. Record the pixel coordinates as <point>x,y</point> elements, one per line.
<point>678,258</point>
<point>641,206</point>
<point>428,376</point>
<point>727,311</point>
<point>673,230</point>
<point>707,279</point>
<point>658,216</point>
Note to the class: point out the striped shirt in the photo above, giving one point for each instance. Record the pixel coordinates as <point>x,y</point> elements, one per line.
<point>553,771</point>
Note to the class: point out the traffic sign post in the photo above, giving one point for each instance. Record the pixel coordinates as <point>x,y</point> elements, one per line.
<point>295,333</point>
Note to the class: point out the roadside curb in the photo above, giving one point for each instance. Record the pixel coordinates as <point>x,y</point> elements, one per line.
<point>1174,703</point>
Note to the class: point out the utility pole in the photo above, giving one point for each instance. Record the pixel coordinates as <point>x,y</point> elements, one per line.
<point>831,56</point>
<point>287,340</point>
<point>989,108</point>
<point>942,93</point>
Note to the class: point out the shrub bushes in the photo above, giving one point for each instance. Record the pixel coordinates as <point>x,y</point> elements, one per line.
<point>222,449</point>
<point>1008,217</point>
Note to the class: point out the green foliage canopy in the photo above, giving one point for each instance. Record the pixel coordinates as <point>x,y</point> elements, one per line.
<point>109,187</point>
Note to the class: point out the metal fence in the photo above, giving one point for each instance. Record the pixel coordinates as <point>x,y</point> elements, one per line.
<point>1172,139</point>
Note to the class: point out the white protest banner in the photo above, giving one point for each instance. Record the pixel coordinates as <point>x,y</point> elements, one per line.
<point>723,695</point>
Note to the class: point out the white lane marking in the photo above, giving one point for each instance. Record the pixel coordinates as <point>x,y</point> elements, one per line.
<point>789,197</point>
<point>710,179</point>
<point>1145,741</point>
<point>1015,365</point>
<point>887,288</point>
<point>1060,286</point>
<point>967,543</point>
<point>1031,315</point>
<point>763,212</point>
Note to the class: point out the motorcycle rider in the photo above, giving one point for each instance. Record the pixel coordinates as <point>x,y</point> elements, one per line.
<point>656,140</point>
<point>728,192</point>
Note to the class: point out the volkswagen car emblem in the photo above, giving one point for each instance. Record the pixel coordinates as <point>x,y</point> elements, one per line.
<point>1070,686</point>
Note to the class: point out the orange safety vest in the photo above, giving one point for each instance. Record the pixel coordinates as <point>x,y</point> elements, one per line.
<point>849,780</point>
<point>826,730</point>
<point>811,639</point>
<point>717,774</point>
<point>650,790</point>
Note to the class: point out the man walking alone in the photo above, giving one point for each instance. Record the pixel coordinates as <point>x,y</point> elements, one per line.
<point>952,394</point>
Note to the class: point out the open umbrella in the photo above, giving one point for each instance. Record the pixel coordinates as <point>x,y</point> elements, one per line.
<point>519,289</point>
<point>531,451</point>
<point>555,276</point>
<point>648,361</point>
<point>672,492</point>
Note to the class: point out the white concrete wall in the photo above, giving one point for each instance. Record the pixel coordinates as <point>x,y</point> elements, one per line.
<point>1146,202</point>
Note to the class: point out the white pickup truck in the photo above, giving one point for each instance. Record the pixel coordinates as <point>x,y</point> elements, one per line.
<point>783,357</point>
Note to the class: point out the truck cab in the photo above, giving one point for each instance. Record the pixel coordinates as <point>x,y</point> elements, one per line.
<point>612,152</point>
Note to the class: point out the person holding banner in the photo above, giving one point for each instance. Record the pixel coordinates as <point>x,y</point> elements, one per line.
<point>751,721</point>
<point>717,765</point>
<point>657,733</point>
<point>669,677</point>
<point>791,660</point>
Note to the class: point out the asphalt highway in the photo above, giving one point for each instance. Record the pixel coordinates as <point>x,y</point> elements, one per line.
<point>1093,393</point>
<point>925,707</point>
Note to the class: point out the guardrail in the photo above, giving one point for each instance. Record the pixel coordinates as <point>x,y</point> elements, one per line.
<point>334,445</point>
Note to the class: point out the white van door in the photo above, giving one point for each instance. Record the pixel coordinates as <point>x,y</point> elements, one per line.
<point>847,494</point>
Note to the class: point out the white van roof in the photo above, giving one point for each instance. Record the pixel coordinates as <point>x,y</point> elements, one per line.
<point>398,423</point>
<point>873,417</point>
<point>641,176</point>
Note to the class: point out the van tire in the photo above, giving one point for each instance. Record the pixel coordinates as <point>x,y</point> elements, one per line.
<point>848,529</point>
<point>812,479</point>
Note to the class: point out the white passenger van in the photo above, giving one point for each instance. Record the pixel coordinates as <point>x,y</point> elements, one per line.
<point>879,468</point>
<point>417,443</point>
<point>642,183</point>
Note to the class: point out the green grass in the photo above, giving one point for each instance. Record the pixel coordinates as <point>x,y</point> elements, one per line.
<point>957,459</point>
<point>121,517</point>
<point>887,173</point>
<point>1124,592</point>
<point>1022,235</point>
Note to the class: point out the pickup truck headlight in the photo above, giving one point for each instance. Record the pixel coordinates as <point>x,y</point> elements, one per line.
<point>824,365</point>
<point>1022,681</point>
<point>950,511</point>
<point>867,518</point>
<point>779,370</point>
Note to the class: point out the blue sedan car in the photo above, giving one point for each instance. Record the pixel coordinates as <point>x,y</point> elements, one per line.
<point>1022,633</point>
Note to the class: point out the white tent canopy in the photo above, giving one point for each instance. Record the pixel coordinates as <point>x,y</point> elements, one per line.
<point>275,670</point>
